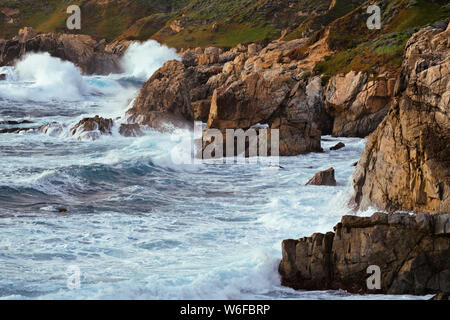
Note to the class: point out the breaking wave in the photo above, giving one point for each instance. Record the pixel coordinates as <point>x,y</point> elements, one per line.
<point>141,60</point>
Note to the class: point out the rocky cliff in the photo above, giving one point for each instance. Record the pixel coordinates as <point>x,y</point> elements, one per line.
<point>405,166</point>
<point>164,99</point>
<point>237,89</point>
<point>406,163</point>
<point>412,252</point>
<point>91,56</point>
<point>358,102</point>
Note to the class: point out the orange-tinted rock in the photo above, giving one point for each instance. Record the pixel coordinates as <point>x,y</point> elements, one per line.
<point>323,178</point>
<point>357,103</point>
<point>164,99</point>
<point>406,162</point>
<point>412,257</point>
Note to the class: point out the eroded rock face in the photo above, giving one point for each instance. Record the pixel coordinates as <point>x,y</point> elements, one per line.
<point>297,137</point>
<point>164,99</point>
<point>406,162</point>
<point>90,56</point>
<point>358,103</point>
<point>266,86</point>
<point>413,256</point>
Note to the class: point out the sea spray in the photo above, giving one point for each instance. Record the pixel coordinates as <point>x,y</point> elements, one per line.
<point>141,60</point>
<point>51,77</point>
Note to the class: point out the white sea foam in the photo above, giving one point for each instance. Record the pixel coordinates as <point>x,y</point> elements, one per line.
<point>141,60</point>
<point>138,224</point>
<point>45,77</point>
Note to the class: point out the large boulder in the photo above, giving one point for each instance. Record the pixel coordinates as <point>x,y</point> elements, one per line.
<point>323,178</point>
<point>164,99</point>
<point>413,257</point>
<point>406,162</point>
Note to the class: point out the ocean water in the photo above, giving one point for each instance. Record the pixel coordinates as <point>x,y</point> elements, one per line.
<point>138,225</point>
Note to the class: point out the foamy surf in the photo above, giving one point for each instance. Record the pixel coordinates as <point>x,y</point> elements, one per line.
<point>135,223</point>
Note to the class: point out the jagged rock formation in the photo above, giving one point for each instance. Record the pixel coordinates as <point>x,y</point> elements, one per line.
<point>164,99</point>
<point>406,162</point>
<point>92,128</point>
<point>358,103</point>
<point>413,253</point>
<point>52,128</point>
<point>86,129</point>
<point>90,56</point>
<point>256,85</point>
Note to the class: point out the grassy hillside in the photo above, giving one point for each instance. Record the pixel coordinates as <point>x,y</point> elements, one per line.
<point>100,18</point>
<point>237,20</point>
<point>358,48</point>
<point>192,23</point>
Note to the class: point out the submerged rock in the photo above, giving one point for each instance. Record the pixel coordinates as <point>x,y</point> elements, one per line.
<point>323,178</point>
<point>131,130</point>
<point>406,162</point>
<point>338,146</point>
<point>92,128</point>
<point>15,130</point>
<point>412,256</point>
<point>2,76</point>
<point>14,122</point>
<point>52,129</point>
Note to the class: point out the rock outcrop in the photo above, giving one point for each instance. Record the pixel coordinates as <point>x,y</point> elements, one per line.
<point>130,130</point>
<point>237,89</point>
<point>323,178</point>
<point>441,297</point>
<point>92,128</point>
<point>412,252</point>
<point>406,162</point>
<point>164,99</point>
<point>265,86</point>
<point>358,103</point>
<point>91,56</point>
